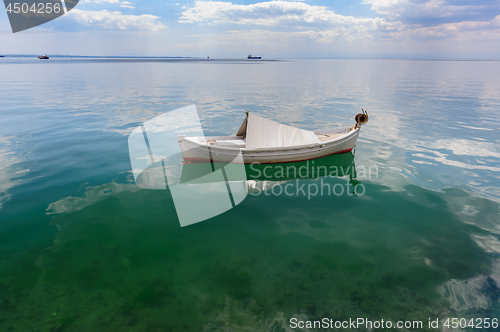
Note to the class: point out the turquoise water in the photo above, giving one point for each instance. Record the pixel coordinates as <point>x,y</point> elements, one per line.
<point>84,249</point>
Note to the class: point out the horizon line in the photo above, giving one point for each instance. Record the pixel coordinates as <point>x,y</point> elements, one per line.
<point>276,58</point>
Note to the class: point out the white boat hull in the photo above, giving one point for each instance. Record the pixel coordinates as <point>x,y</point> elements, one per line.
<point>196,149</point>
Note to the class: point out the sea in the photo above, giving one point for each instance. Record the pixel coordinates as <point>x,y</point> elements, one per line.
<point>84,248</point>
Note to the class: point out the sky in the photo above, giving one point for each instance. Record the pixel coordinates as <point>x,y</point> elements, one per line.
<point>271,29</point>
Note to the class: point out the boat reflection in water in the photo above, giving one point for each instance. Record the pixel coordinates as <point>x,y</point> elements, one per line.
<point>204,190</point>
<point>263,177</point>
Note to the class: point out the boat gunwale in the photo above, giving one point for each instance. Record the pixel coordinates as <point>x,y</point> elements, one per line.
<point>271,149</point>
<point>195,160</point>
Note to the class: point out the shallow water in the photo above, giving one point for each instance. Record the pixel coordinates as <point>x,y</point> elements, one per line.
<point>84,249</point>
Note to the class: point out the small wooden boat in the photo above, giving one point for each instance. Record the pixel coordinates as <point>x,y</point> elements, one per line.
<point>260,140</point>
<point>43,57</point>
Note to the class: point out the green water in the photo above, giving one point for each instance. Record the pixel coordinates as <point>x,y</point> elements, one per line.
<point>84,249</point>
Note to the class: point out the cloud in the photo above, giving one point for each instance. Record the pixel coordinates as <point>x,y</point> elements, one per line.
<point>404,21</point>
<point>317,22</point>
<point>465,32</point>
<point>104,19</point>
<point>121,3</point>
<point>435,12</point>
<point>272,13</point>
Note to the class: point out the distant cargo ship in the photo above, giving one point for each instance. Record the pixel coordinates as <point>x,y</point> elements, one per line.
<point>43,57</point>
<point>253,57</point>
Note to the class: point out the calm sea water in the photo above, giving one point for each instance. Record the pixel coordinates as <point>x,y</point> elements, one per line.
<point>82,248</point>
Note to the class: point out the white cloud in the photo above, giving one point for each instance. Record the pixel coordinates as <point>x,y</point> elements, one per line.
<point>386,7</point>
<point>316,22</point>
<point>435,12</point>
<point>462,32</point>
<point>292,28</point>
<point>405,21</point>
<point>272,13</point>
<point>121,3</point>
<point>116,20</point>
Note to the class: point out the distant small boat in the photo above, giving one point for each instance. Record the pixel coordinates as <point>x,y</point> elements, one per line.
<point>43,57</point>
<point>253,57</point>
<point>260,140</point>
<point>2,56</point>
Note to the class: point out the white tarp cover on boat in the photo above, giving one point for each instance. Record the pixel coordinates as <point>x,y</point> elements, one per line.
<point>264,133</point>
